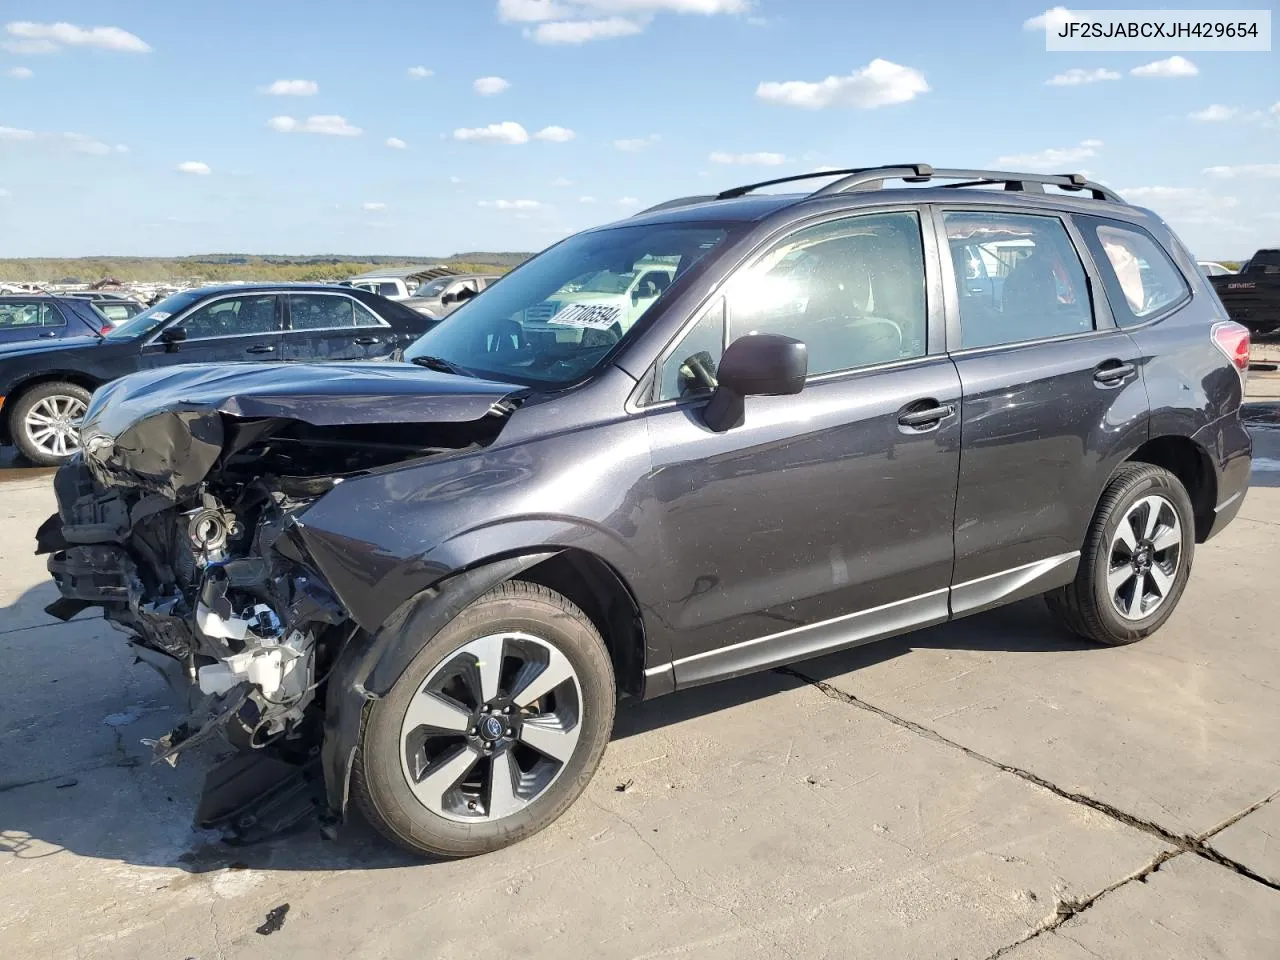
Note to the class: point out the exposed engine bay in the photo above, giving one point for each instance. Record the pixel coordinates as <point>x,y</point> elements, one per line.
<point>178,520</point>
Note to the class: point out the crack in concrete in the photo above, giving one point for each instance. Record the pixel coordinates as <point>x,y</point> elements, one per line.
<point>1182,842</point>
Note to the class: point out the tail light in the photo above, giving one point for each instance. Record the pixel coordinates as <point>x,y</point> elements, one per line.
<point>1233,340</point>
<point>106,328</point>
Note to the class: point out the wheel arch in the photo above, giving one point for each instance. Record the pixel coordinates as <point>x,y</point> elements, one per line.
<point>1191,464</point>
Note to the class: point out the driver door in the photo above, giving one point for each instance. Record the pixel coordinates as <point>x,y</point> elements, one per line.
<point>826,518</point>
<point>242,328</point>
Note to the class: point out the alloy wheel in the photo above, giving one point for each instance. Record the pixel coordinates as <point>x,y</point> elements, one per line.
<point>1145,555</point>
<point>53,425</point>
<point>491,728</point>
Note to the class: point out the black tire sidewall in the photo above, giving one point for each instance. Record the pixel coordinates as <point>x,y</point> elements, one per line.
<point>28,399</point>
<point>1156,481</point>
<point>400,814</point>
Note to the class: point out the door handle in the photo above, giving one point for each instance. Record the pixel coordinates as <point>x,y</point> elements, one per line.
<point>367,341</point>
<point>1113,372</point>
<point>261,348</point>
<point>49,334</point>
<point>917,415</point>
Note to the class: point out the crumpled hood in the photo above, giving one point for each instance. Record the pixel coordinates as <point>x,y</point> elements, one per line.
<point>165,429</point>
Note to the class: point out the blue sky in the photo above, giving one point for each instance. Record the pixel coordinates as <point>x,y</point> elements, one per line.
<point>140,127</point>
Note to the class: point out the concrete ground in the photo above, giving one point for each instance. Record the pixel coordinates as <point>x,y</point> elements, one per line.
<point>987,788</point>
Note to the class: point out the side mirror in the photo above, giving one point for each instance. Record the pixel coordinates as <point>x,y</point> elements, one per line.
<point>447,299</point>
<point>172,337</point>
<point>757,365</point>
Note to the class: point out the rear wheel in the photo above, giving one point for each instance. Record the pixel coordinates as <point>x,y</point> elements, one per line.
<point>45,422</point>
<point>494,729</point>
<point>1136,559</point>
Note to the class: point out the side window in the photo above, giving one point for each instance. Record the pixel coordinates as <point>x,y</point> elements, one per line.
<point>233,316</point>
<point>1018,278</point>
<point>18,314</point>
<point>853,290</point>
<point>690,369</point>
<point>389,289</point>
<point>326,311</point>
<point>1140,279</point>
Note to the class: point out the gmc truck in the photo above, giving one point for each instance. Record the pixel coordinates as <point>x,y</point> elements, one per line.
<point>1252,296</point>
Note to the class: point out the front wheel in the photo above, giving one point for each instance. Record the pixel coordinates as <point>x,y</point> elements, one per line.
<point>45,422</point>
<point>494,729</point>
<point>1136,559</point>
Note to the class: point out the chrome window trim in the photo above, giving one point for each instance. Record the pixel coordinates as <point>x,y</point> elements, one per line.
<point>381,324</point>
<point>185,314</point>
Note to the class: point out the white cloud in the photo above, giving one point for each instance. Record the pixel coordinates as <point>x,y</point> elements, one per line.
<point>1275,108</point>
<point>292,88</point>
<point>760,159</point>
<point>419,73</point>
<point>508,132</point>
<point>1055,158</point>
<point>4,194</point>
<point>1245,170</point>
<point>584,31</point>
<point>19,73</point>
<point>374,205</point>
<point>47,37</point>
<point>562,182</point>
<point>586,199</point>
<point>455,180</point>
<point>81,143</point>
<point>1077,76</point>
<point>880,83</point>
<point>1053,17</point>
<point>1172,67</point>
<point>14,133</point>
<point>636,144</point>
<point>395,143</point>
<point>121,148</point>
<point>510,204</point>
<point>330,125</point>
<point>1214,112</point>
<point>490,86</point>
<point>531,11</point>
<point>628,202</point>
<point>555,134</point>
<point>194,167</point>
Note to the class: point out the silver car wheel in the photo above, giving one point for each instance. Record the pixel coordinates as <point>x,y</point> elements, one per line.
<point>491,728</point>
<point>1145,554</point>
<point>53,425</point>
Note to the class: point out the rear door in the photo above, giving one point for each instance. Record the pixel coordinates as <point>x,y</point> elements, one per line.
<point>240,327</point>
<point>24,320</point>
<point>333,326</point>
<point>1052,399</point>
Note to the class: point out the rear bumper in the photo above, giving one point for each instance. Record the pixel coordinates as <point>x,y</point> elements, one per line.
<point>1231,449</point>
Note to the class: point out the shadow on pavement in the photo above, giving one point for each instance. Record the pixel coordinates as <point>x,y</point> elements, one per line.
<point>124,808</point>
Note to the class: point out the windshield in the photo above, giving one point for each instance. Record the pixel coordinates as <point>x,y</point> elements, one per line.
<point>541,325</point>
<point>151,318</point>
<point>434,288</point>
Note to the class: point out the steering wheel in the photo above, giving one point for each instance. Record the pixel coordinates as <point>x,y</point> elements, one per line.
<point>699,367</point>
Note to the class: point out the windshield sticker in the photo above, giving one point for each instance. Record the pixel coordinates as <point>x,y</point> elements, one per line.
<point>593,316</point>
<point>161,315</point>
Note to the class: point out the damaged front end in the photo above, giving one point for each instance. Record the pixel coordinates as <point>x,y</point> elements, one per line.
<point>179,521</point>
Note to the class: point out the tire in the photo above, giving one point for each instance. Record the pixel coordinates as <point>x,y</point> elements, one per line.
<point>530,621</point>
<point>1089,606</point>
<point>51,401</point>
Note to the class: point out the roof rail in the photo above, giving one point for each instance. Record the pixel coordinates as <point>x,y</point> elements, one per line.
<point>872,178</point>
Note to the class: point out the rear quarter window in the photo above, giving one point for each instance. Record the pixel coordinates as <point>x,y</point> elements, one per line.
<point>1142,281</point>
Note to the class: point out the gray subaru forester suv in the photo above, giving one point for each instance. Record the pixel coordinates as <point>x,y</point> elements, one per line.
<point>850,413</point>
